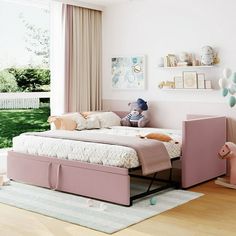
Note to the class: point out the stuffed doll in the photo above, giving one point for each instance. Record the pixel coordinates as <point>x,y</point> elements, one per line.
<point>135,118</point>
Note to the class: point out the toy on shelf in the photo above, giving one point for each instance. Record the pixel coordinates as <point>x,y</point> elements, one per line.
<point>228,151</point>
<point>167,85</point>
<point>208,57</point>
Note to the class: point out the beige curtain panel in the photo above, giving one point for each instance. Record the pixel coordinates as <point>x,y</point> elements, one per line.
<point>83,57</point>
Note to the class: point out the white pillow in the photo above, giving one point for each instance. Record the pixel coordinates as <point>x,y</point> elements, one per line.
<point>106,119</point>
<point>82,123</point>
<point>92,123</point>
<point>78,118</point>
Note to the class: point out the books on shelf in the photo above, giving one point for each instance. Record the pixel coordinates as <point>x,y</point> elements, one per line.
<point>170,60</point>
<point>182,64</point>
<point>166,61</point>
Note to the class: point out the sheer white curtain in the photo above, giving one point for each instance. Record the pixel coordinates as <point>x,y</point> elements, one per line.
<point>57,58</point>
<point>76,56</point>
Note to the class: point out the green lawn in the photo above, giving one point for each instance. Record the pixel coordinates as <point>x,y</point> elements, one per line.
<point>15,122</point>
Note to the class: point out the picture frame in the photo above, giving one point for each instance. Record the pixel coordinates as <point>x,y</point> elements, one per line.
<point>201,81</point>
<point>172,60</point>
<point>179,83</point>
<point>208,84</point>
<point>128,72</point>
<point>190,79</point>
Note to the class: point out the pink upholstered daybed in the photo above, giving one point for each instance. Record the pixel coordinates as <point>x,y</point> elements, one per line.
<point>202,137</point>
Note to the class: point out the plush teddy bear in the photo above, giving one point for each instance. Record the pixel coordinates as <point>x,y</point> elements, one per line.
<point>135,118</point>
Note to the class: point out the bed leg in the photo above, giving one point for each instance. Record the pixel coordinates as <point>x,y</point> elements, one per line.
<point>153,178</point>
<point>170,174</point>
<point>130,202</point>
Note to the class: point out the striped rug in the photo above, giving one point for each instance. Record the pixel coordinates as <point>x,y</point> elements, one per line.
<point>97,215</point>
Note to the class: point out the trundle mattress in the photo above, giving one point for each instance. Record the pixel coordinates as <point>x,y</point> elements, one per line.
<point>96,153</point>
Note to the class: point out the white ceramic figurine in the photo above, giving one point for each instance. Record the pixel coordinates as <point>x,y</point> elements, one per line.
<point>207,55</point>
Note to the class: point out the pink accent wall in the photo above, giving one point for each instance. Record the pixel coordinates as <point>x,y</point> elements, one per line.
<point>166,114</point>
<point>154,39</point>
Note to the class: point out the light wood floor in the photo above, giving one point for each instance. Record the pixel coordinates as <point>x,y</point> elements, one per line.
<point>212,214</point>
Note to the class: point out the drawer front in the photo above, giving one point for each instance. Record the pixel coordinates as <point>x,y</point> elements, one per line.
<point>112,186</point>
<point>28,171</point>
<point>106,186</point>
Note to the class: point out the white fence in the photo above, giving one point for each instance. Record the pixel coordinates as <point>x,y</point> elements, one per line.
<point>21,100</point>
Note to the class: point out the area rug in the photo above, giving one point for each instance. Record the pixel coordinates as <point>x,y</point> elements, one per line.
<point>96,215</point>
<point>3,160</point>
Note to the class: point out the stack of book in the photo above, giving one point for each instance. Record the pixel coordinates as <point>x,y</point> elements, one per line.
<point>170,60</point>
<point>182,63</point>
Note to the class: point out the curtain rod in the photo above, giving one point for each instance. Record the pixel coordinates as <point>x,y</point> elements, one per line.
<point>82,4</point>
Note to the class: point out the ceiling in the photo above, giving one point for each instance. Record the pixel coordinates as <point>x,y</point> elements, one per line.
<point>46,2</point>
<point>103,2</point>
<point>36,3</point>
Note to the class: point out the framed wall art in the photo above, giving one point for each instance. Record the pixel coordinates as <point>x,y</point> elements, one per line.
<point>128,72</point>
<point>179,83</point>
<point>201,81</point>
<point>208,84</point>
<point>190,79</point>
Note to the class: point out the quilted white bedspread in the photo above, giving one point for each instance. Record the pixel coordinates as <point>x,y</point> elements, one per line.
<point>105,154</point>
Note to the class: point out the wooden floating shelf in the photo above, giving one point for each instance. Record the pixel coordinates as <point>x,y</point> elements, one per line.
<point>189,90</point>
<point>187,67</point>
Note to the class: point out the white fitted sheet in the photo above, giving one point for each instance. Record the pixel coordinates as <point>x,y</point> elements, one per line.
<point>97,153</point>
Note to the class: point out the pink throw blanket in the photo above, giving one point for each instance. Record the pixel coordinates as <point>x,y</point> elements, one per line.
<point>152,154</point>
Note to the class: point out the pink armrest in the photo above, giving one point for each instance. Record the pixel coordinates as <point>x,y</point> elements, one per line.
<point>202,139</point>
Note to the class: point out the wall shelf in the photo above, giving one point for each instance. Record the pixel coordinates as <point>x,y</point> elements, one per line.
<point>186,67</point>
<point>188,90</point>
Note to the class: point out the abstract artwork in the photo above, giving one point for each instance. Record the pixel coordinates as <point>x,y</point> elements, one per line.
<point>128,72</point>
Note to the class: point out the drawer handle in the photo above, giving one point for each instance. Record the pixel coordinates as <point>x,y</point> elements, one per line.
<point>49,173</point>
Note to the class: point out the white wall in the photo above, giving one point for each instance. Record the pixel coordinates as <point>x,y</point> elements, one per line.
<point>158,27</point>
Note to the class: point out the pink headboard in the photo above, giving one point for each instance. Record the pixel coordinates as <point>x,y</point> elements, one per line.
<point>121,114</point>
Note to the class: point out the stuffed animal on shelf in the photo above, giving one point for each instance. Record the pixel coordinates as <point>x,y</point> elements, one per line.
<point>228,151</point>
<point>136,118</point>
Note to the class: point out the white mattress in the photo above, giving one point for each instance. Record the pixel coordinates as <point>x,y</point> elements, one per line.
<point>97,153</point>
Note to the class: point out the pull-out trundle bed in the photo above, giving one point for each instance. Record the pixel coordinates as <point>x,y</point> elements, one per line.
<point>201,140</point>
